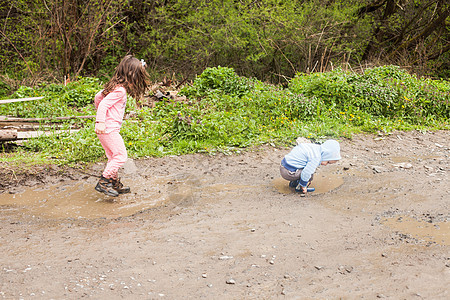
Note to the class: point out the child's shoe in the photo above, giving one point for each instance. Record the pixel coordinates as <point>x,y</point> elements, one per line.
<point>105,186</point>
<point>298,188</point>
<point>118,186</point>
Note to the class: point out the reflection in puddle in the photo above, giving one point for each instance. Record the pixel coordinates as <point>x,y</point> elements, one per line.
<point>438,232</point>
<point>323,183</point>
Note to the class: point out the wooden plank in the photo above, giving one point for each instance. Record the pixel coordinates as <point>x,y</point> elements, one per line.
<point>14,119</point>
<point>21,135</point>
<point>8,135</point>
<point>19,100</point>
<point>12,135</point>
<point>30,126</point>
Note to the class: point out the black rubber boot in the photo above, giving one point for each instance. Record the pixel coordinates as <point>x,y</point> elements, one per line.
<point>105,186</point>
<point>118,186</point>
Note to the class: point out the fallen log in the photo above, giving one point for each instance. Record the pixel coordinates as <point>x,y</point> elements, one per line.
<point>14,119</point>
<point>19,100</point>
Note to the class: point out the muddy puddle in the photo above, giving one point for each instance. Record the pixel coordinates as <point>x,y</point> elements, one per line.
<point>81,201</point>
<point>322,183</point>
<point>436,232</point>
<point>77,201</point>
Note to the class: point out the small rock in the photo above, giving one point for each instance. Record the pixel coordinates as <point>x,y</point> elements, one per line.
<point>204,275</point>
<point>439,145</point>
<point>318,267</point>
<point>225,257</point>
<point>345,269</point>
<point>403,165</point>
<point>231,281</point>
<point>378,169</point>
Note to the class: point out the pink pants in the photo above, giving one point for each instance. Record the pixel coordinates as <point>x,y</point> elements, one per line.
<point>115,152</point>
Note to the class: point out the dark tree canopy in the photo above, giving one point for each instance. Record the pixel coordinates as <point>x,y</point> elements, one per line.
<point>268,39</point>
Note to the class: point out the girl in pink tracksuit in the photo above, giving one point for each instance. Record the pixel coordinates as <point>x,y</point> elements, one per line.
<point>131,78</point>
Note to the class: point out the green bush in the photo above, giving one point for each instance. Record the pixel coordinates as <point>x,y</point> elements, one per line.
<point>224,112</point>
<point>4,89</point>
<point>59,101</point>
<point>387,92</point>
<point>218,79</point>
<point>81,93</point>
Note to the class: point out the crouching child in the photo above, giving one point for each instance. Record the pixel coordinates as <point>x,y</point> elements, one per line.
<point>299,165</point>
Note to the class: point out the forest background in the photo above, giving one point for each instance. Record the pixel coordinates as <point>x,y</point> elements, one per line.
<point>268,39</point>
<point>251,72</point>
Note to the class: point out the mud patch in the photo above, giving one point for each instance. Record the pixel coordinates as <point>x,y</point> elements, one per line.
<point>218,228</point>
<point>438,232</point>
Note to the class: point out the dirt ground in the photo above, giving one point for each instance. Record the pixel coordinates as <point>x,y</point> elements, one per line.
<point>228,227</point>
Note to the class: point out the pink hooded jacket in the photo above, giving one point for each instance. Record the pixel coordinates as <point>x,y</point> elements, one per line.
<point>111,109</point>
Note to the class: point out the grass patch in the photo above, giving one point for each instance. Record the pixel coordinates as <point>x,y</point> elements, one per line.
<point>225,112</point>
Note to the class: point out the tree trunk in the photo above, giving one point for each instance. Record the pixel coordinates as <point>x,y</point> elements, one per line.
<point>378,33</point>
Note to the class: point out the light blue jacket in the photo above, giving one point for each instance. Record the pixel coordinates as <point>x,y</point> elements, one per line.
<point>309,156</point>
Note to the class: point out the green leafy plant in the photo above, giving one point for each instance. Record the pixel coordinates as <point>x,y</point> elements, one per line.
<point>225,112</point>
<point>218,79</point>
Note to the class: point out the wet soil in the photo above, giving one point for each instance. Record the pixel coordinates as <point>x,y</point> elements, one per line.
<point>228,227</point>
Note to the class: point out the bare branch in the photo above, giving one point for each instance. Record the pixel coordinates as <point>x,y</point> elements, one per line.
<point>18,52</point>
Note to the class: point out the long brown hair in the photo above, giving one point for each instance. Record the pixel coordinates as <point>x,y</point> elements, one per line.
<point>131,74</point>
